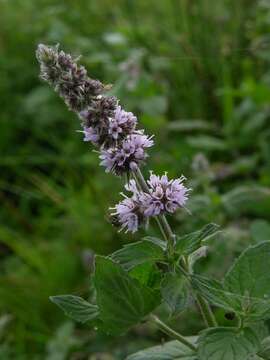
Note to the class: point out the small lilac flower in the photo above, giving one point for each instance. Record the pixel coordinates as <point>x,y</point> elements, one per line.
<point>127,155</point>
<point>165,195</point>
<point>91,134</point>
<point>129,212</point>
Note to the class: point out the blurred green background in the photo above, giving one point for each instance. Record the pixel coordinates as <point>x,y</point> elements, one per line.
<point>196,72</point>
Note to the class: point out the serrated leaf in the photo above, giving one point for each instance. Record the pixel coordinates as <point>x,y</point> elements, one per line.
<point>147,274</point>
<point>253,200</point>
<point>260,230</point>
<point>189,243</point>
<point>172,350</point>
<point>264,351</point>
<point>122,300</point>
<point>161,243</point>
<point>76,307</point>
<point>138,253</point>
<point>227,344</point>
<point>175,293</point>
<point>249,278</point>
<point>213,291</point>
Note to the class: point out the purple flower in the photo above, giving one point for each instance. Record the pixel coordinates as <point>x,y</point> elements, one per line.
<point>129,212</point>
<point>127,155</point>
<point>91,134</point>
<point>165,195</point>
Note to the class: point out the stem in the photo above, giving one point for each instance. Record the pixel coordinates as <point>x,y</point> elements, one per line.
<point>206,311</point>
<point>161,219</point>
<point>172,333</point>
<point>169,236</point>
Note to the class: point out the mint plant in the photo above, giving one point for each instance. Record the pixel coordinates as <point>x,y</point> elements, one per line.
<point>134,283</point>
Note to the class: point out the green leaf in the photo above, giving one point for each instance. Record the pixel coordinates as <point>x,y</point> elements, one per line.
<point>253,200</point>
<point>138,253</point>
<point>122,300</point>
<point>265,349</point>
<point>76,307</point>
<point>227,344</point>
<point>172,350</point>
<point>175,293</point>
<point>147,274</point>
<point>260,230</point>
<point>249,278</point>
<point>207,142</point>
<point>213,291</point>
<point>161,243</point>
<point>189,243</point>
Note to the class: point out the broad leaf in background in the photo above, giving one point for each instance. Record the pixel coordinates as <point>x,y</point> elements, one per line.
<point>175,293</point>
<point>227,343</point>
<point>138,253</point>
<point>253,200</point>
<point>260,230</point>
<point>264,351</point>
<point>172,350</point>
<point>76,307</point>
<point>249,277</point>
<point>121,299</point>
<point>188,243</point>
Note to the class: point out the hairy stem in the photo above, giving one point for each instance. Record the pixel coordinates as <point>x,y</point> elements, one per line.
<point>207,314</point>
<point>169,236</point>
<point>172,333</point>
<point>161,219</point>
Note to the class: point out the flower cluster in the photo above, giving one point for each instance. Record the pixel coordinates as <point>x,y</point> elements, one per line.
<point>128,155</point>
<point>105,124</point>
<point>164,196</point>
<point>106,130</point>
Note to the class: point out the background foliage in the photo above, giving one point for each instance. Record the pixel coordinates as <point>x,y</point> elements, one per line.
<point>197,75</point>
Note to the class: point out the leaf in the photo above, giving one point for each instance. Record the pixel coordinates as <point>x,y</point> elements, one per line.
<point>188,243</point>
<point>161,243</point>
<point>168,351</point>
<point>175,293</point>
<point>254,200</point>
<point>249,278</point>
<point>207,142</point>
<point>147,274</point>
<point>227,344</point>
<point>122,300</point>
<point>76,307</point>
<point>213,291</point>
<point>189,125</point>
<point>260,230</point>
<point>265,349</point>
<point>138,253</point>
<point>201,252</point>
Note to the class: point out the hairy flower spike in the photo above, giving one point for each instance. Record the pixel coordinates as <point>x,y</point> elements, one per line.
<point>105,124</point>
<point>68,78</point>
